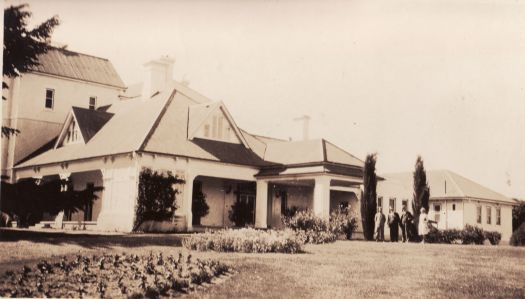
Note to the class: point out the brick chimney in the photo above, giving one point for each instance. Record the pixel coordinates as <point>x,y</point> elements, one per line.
<point>157,75</point>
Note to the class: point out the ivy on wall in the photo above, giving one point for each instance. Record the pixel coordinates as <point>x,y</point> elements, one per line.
<point>156,197</point>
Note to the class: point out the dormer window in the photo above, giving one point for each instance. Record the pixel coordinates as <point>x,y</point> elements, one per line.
<point>92,103</point>
<point>73,134</point>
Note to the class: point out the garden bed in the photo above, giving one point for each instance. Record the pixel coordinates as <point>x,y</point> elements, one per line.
<point>246,240</point>
<point>117,275</point>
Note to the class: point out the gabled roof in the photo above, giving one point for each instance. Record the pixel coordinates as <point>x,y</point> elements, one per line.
<point>443,184</point>
<point>88,121</point>
<point>198,114</point>
<point>69,64</point>
<point>161,125</point>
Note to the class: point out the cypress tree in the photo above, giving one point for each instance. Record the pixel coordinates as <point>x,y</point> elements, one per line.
<point>421,190</point>
<point>368,200</point>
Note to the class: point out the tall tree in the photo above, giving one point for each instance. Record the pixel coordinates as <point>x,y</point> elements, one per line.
<point>421,190</point>
<point>23,45</point>
<point>368,200</point>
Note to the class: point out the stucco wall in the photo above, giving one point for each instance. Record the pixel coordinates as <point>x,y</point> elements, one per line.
<point>37,124</point>
<point>218,200</point>
<point>506,217</point>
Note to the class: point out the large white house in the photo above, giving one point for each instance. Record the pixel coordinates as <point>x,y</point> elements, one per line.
<point>38,101</point>
<point>169,127</point>
<point>454,201</point>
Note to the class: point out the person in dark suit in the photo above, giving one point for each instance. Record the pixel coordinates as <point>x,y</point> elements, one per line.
<point>393,224</point>
<point>406,224</point>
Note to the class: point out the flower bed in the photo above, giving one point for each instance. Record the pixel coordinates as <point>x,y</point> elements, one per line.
<point>318,230</point>
<point>246,240</point>
<point>111,276</point>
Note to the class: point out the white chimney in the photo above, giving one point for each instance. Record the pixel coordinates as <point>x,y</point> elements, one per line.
<point>157,75</point>
<point>306,125</point>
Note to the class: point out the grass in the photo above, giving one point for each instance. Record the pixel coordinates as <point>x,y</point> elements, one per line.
<point>341,269</point>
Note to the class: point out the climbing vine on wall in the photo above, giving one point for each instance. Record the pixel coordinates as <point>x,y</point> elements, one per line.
<point>156,197</point>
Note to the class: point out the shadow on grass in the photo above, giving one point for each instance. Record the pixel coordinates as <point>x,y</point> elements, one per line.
<point>91,240</point>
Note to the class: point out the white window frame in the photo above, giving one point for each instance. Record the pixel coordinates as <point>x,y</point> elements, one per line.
<point>498,216</point>
<point>52,99</point>
<point>94,104</point>
<point>437,214</point>
<point>478,214</point>
<point>392,203</point>
<point>489,215</point>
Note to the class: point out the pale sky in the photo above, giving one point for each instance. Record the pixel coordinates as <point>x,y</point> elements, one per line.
<point>444,78</point>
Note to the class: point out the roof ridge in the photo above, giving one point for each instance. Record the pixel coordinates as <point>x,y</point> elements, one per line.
<point>157,120</point>
<point>342,150</point>
<point>80,53</point>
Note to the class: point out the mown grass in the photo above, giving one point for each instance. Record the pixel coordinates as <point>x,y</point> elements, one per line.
<point>341,269</point>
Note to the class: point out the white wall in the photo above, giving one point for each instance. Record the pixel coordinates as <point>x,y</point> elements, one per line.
<point>218,200</point>
<point>506,217</point>
<point>25,109</point>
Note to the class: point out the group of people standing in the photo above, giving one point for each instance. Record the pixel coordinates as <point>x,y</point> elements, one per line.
<point>405,222</point>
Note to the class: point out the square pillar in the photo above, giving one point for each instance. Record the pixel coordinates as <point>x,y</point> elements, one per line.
<point>118,199</point>
<point>187,198</point>
<point>261,205</point>
<point>322,197</point>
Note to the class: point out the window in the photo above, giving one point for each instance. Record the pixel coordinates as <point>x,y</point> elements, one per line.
<point>50,98</point>
<point>380,203</point>
<point>478,213</point>
<point>220,121</point>
<point>214,126</point>
<point>437,212</point>
<point>92,103</point>
<point>498,216</point>
<point>453,207</point>
<point>489,215</point>
<point>392,203</point>
<point>404,203</point>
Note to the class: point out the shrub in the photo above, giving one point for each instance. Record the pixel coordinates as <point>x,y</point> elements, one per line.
<point>246,240</point>
<point>518,236</point>
<point>241,213</point>
<point>111,276</point>
<point>493,237</point>
<point>156,197</point>
<point>343,221</point>
<point>472,235</point>
<point>451,236</point>
<point>315,229</point>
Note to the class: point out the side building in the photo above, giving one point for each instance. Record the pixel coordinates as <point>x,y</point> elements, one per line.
<point>37,102</point>
<point>455,201</point>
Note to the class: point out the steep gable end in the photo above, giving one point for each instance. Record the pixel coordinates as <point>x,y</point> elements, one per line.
<point>81,125</point>
<point>212,121</point>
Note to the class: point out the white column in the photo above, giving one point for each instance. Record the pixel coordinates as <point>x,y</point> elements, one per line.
<point>118,199</point>
<point>261,204</point>
<point>187,198</point>
<point>322,197</point>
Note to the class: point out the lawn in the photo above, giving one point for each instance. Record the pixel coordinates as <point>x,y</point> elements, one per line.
<point>341,269</point>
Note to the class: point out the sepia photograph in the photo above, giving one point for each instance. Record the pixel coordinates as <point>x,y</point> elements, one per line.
<point>263,149</point>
